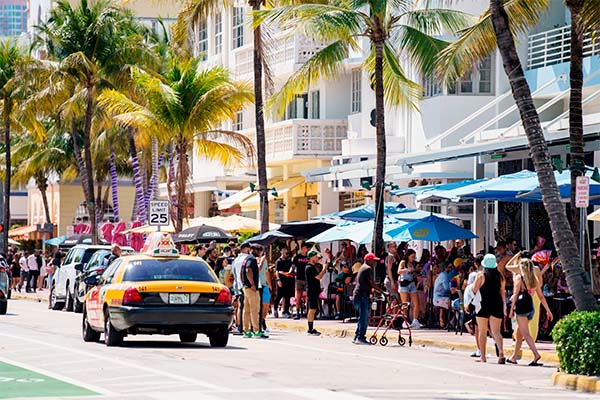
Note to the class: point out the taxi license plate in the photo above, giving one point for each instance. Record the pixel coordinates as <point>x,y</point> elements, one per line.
<point>179,298</point>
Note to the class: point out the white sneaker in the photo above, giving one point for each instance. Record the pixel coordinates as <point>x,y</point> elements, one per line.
<point>416,324</point>
<point>267,333</point>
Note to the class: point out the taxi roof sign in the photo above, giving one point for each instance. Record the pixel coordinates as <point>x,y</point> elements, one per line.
<point>160,244</point>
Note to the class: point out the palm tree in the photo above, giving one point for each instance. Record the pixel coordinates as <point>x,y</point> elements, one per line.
<point>192,13</point>
<point>561,232</point>
<point>11,90</point>
<point>496,28</point>
<point>92,42</point>
<point>394,29</point>
<point>38,158</point>
<point>186,107</point>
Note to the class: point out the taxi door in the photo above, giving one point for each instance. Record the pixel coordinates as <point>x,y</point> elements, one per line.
<point>96,296</point>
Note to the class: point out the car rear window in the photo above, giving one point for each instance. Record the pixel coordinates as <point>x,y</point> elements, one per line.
<point>167,270</point>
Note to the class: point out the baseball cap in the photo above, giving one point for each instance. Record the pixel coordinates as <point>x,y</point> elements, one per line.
<point>312,253</point>
<point>371,256</point>
<point>458,262</point>
<point>489,261</point>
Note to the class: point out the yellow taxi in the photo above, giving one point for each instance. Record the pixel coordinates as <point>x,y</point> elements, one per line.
<point>158,292</point>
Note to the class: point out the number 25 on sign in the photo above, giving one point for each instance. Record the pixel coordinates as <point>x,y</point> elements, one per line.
<point>159,213</point>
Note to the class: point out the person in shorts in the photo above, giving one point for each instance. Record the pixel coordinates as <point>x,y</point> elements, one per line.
<point>407,285</point>
<point>313,288</point>
<point>299,263</point>
<point>391,279</point>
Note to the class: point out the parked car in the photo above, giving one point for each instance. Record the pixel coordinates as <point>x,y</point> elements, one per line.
<point>63,282</point>
<point>4,286</point>
<point>95,267</point>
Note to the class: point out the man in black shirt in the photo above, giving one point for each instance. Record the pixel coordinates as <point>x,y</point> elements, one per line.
<point>313,288</point>
<point>251,295</point>
<point>365,285</point>
<point>285,283</point>
<point>299,268</point>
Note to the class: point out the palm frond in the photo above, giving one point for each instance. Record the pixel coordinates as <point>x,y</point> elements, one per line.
<point>325,64</point>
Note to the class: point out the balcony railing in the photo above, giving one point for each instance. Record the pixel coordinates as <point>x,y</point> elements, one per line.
<point>304,138</point>
<point>554,47</point>
<point>289,49</point>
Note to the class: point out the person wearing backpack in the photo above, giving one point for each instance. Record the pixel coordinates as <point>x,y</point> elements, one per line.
<point>525,284</point>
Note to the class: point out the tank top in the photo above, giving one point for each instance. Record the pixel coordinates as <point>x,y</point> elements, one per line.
<point>490,290</point>
<point>262,273</point>
<point>407,276</point>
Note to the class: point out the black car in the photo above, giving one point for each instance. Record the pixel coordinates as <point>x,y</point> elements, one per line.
<point>94,267</point>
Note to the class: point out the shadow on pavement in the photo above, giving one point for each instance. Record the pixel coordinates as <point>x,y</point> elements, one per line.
<point>154,344</point>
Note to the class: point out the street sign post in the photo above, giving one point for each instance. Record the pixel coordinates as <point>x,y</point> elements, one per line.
<point>582,201</point>
<point>159,213</point>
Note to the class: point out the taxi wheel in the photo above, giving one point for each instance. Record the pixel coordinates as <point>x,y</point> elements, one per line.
<point>89,335</point>
<point>219,338</point>
<point>188,337</point>
<point>112,337</point>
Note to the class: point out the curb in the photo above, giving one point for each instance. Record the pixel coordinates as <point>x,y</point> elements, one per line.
<point>582,383</point>
<point>550,358</point>
<point>19,296</point>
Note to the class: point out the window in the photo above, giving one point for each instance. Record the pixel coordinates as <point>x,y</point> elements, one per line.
<point>238,122</point>
<point>218,33</point>
<point>238,27</point>
<point>168,270</point>
<point>356,90</point>
<point>475,82</point>
<point>109,274</point>
<point>315,105</point>
<point>202,39</point>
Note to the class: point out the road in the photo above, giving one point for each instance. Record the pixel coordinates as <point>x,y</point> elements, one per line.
<point>46,348</point>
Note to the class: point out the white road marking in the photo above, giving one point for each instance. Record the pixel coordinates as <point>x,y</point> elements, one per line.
<point>60,377</point>
<point>395,361</point>
<point>84,353</point>
<point>323,394</point>
<point>118,378</point>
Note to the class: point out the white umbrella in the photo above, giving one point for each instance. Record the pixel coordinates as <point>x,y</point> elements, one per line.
<point>13,242</point>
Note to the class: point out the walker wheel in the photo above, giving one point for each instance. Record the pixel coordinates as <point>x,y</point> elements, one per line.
<point>373,340</point>
<point>383,341</point>
<point>401,341</point>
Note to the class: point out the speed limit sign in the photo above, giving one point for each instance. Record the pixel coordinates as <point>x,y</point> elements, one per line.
<point>159,212</point>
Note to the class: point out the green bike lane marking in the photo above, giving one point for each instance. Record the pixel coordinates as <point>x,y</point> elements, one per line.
<point>16,381</point>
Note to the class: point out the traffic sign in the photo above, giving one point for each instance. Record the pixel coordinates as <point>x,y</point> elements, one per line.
<point>159,213</point>
<point>582,192</point>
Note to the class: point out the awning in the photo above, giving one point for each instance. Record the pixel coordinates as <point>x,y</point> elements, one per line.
<point>234,199</point>
<point>424,190</point>
<point>252,203</point>
<point>403,164</point>
<point>232,223</point>
<point>22,231</point>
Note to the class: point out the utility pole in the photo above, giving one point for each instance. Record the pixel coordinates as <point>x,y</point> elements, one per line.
<point>4,223</point>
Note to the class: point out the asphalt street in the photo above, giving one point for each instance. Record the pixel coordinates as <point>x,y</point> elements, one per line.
<point>41,350</point>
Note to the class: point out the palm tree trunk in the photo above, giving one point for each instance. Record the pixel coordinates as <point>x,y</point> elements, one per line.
<point>79,159</point>
<point>99,202</point>
<point>89,170</point>
<point>137,177</point>
<point>575,108</point>
<point>378,247</point>
<point>114,183</point>
<point>180,184</point>
<point>154,176</point>
<point>42,184</point>
<point>7,173</point>
<point>559,223</point>
<point>260,125</point>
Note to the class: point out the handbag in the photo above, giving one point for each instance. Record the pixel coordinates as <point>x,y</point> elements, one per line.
<point>524,303</point>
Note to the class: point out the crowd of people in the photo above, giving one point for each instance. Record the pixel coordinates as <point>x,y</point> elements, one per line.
<point>30,271</point>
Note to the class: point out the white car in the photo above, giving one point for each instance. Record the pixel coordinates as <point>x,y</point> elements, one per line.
<point>63,281</point>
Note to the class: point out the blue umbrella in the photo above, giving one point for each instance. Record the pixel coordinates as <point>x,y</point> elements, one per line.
<point>334,234</point>
<point>367,212</point>
<point>56,241</point>
<point>502,188</point>
<point>432,229</point>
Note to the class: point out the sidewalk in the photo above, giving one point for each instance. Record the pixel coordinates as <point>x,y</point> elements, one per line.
<point>421,337</point>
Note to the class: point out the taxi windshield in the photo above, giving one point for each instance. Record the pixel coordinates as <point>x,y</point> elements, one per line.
<point>167,270</point>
